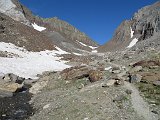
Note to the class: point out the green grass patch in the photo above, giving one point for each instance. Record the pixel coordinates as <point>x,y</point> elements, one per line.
<point>150,92</point>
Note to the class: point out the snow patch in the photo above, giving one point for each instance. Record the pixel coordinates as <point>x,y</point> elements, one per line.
<point>82,43</point>
<point>60,51</point>
<point>94,51</point>
<point>108,68</point>
<point>38,28</point>
<point>29,64</point>
<point>86,45</point>
<point>77,54</point>
<point>132,43</point>
<point>92,47</point>
<point>132,32</point>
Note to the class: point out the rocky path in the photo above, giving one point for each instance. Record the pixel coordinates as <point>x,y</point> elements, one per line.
<point>139,105</point>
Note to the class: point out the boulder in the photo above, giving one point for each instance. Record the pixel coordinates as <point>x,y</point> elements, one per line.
<point>135,78</point>
<point>95,75</point>
<point>13,77</point>
<point>10,87</point>
<point>77,72</point>
<point>10,77</point>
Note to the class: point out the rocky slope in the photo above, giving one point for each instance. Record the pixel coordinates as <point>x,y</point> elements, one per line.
<point>67,36</point>
<point>57,32</point>
<point>144,24</point>
<point>117,85</point>
<point>12,31</point>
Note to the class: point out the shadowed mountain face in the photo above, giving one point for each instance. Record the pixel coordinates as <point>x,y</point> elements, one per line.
<point>144,24</point>
<point>17,28</point>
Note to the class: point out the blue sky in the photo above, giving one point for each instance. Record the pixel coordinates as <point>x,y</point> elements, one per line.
<point>97,18</point>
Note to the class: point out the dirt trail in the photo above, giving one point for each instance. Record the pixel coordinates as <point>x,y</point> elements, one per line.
<point>140,106</point>
<point>138,103</point>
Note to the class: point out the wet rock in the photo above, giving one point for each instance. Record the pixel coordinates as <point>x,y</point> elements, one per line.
<point>95,75</point>
<point>77,72</point>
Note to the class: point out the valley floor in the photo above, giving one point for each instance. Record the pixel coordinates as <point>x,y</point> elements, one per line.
<point>80,99</point>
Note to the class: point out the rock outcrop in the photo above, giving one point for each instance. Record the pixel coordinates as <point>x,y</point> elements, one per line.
<point>10,9</point>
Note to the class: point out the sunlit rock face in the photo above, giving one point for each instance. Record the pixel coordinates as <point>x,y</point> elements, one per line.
<point>10,9</point>
<point>144,25</point>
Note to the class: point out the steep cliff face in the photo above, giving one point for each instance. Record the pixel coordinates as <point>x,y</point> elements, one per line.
<point>10,9</point>
<point>120,39</point>
<point>144,24</point>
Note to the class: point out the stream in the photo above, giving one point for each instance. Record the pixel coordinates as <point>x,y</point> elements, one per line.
<point>16,107</point>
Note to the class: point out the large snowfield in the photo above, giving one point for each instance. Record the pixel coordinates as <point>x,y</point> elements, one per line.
<point>29,64</point>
